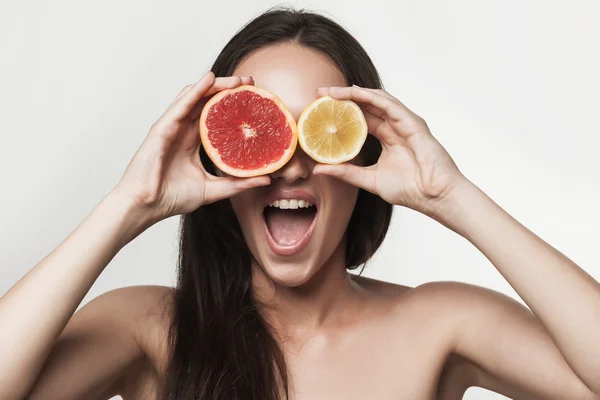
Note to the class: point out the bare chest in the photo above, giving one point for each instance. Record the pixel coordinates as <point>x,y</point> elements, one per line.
<point>407,366</point>
<point>372,367</point>
<point>386,353</point>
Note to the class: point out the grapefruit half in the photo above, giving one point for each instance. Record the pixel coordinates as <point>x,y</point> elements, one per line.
<point>247,131</point>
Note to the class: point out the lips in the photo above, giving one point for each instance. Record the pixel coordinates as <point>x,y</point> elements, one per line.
<point>288,230</point>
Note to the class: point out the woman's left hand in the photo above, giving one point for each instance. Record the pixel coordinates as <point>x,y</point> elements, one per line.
<point>414,169</point>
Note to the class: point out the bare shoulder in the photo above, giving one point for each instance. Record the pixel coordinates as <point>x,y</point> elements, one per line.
<point>142,311</point>
<point>468,315</point>
<point>106,347</point>
<point>455,306</point>
<point>136,308</point>
<point>135,298</point>
<point>467,301</point>
<point>150,310</point>
<point>435,315</point>
<point>450,302</point>
<point>381,288</point>
<point>139,300</point>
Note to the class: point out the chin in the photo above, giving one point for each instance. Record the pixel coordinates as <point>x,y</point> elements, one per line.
<point>289,274</point>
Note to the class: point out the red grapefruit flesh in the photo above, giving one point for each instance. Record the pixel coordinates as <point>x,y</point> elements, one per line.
<point>247,131</point>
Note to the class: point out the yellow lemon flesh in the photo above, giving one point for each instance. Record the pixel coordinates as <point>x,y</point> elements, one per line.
<point>332,131</point>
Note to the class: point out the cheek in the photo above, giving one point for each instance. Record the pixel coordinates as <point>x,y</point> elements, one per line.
<point>241,207</point>
<point>342,198</point>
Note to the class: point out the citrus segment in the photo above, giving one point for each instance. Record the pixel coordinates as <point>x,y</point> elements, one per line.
<point>332,131</point>
<point>247,131</point>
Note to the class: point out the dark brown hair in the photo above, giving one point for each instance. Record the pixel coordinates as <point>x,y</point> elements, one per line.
<point>221,347</point>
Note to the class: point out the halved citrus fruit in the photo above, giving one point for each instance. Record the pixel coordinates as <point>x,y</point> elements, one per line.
<point>332,131</point>
<point>247,131</point>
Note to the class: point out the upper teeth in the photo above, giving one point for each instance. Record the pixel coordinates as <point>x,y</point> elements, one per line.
<point>290,204</point>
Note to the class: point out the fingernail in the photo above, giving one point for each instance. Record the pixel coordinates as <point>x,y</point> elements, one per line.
<point>264,182</point>
<point>317,169</point>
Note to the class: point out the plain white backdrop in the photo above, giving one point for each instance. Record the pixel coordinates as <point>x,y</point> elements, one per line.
<point>510,88</point>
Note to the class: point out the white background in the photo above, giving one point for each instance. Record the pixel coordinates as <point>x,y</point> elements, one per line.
<point>510,88</point>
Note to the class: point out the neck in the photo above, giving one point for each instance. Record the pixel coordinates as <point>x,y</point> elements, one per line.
<point>327,299</point>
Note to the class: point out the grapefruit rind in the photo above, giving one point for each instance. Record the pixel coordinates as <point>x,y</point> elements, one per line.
<point>213,152</point>
<point>313,153</point>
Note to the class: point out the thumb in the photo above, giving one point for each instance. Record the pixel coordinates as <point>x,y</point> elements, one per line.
<point>362,177</point>
<point>220,188</point>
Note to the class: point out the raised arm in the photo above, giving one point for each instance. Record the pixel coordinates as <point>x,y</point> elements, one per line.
<point>415,171</point>
<point>36,309</point>
<point>556,347</point>
<point>164,178</point>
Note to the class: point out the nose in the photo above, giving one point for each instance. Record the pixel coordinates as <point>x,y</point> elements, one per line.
<point>299,166</point>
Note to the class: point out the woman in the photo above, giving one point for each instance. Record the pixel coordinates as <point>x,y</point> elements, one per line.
<point>252,318</point>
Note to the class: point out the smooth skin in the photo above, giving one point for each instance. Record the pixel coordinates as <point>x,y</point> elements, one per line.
<point>353,337</point>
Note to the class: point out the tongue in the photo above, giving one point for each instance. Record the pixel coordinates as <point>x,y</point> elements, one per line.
<point>289,226</point>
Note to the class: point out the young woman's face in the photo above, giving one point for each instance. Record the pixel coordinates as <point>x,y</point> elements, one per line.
<point>291,245</point>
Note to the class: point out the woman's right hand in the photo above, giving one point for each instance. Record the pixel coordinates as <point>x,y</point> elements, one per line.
<point>165,176</point>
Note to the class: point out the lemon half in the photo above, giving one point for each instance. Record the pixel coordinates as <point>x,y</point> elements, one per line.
<point>332,131</point>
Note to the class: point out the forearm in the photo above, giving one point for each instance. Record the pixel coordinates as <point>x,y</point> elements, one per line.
<point>36,309</point>
<point>563,296</point>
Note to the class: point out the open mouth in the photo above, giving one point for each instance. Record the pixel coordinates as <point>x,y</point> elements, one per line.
<point>289,224</point>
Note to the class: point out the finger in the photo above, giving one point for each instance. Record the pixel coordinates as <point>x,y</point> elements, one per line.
<point>383,93</point>
<point>363,95</point>
<point>219,85</point>
<point>362,177</point>
<point>379,128</point>
<point>189,138</point>
<point>245,80</point>
<point>185,89</point>
<point>219,188</point>
<point>394,99</point>
<point>391,109</point>
<point>184,104</point>
<point>372,109</point>
<point>402,140</point>
<point>228,82</point>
